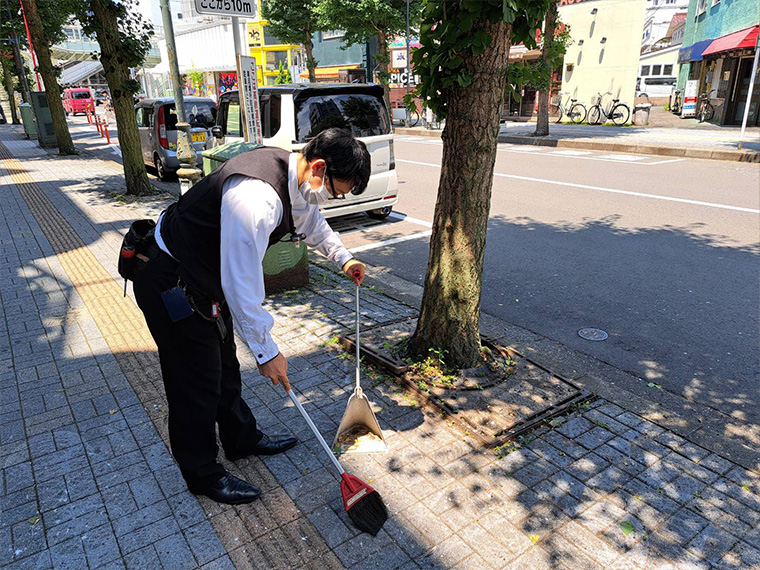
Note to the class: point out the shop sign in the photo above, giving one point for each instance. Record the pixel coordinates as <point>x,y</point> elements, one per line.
<point>398,79</point>
<point>249,90</point>
<point>244,8</point>
<point>690,98</point>
<point>398,59</point>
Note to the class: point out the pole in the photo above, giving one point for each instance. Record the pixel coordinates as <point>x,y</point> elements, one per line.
<point>749,93</point>
<point>188,173</point>
<point>236,37</point>
<point>31,49</point>
<point>408,67</point>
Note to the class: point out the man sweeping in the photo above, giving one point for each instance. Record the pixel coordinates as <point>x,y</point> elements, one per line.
<point>205,269</point>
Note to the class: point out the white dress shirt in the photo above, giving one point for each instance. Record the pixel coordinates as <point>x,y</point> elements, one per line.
<point>251,210</point>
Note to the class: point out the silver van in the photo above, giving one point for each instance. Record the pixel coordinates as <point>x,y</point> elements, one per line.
<point>293,114</point>
<point>157,125</point>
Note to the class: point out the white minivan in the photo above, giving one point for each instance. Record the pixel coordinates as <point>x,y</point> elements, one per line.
<point>293,114</point>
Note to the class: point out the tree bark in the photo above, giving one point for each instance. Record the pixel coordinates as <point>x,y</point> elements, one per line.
<point>450,312</point>
<point>542,121</point>
<point>119,81</point>
<point>52,89</point>
<point>384,58</point>
<point>8,84</point>
<point>311,63</point>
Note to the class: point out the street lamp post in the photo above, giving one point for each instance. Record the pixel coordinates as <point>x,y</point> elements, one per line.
<point>408,67</point>
<point>188,173</point>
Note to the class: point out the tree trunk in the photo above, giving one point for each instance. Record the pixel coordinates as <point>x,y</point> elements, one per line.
<point>383,57</point>
<point>450,312</point>
<point>52,89</point>
<point>121,86</point>
<point>8,84</point>
<point>542,121</point>
<point>311,63</point>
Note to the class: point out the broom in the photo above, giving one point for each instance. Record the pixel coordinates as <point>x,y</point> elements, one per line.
<point>362,503</point>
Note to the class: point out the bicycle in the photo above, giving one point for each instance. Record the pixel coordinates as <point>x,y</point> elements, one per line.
<point>706,110</point>
<point>619,113</point>
<point>576,112</point>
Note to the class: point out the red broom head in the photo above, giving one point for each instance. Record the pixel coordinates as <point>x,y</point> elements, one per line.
<point>363,504</point>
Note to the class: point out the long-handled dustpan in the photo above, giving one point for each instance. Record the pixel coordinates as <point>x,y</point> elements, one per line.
<point>359,421</point>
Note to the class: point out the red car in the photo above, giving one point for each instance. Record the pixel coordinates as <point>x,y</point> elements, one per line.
<point>78,100</point>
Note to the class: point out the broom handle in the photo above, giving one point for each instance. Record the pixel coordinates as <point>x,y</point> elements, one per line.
<point>321,440</point>
<point>358,365</point>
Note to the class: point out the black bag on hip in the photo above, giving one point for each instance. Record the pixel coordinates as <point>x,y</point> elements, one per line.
<point>134,248</point>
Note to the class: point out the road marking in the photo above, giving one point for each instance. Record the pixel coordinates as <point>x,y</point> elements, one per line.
<point>389,241</point>
<point>602,189</point>
<point>572,152</point>
<point>624,157</point>
<point>403,217</point>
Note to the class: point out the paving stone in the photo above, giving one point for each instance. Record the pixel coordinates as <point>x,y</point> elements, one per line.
<point>100,546</point>
<point>536,558</point>
<point>575,427</point>
<point>587,466</point>
<point>741,556</point>
<point>716,463</point>
<point>711,543</point>
<point>683,489</point>
<point>204,542</point>
<point>174,552</point>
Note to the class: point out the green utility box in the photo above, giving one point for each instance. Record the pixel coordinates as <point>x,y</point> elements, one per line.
<point>45,131</point>
<point>286,266</point>
<point>27,118</point>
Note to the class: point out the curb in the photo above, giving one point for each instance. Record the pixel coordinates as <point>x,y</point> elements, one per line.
<point>684,152</point>
<point>590,144</point>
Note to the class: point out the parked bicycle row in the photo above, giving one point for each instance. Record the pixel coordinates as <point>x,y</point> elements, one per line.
<point>705,110</point>
<point>599,113</point>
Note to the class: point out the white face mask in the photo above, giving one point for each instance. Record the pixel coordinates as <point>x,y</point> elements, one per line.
<point>314,195</point>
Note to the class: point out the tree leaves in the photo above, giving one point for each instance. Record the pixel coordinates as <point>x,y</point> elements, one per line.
<point>626,527</point>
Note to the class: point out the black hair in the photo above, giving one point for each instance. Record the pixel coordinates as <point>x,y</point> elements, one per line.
<point>347,158</point>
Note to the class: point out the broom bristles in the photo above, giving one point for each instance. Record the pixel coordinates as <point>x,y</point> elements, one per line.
<point>369,513</point>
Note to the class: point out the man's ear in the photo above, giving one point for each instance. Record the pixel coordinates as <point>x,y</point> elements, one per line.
<point>318,166</point>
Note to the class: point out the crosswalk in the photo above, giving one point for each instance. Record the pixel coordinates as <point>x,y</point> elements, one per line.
<point>638,159</point>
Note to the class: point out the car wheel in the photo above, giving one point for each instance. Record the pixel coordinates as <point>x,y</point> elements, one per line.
<point>380,213</point>
<point>161,173</point>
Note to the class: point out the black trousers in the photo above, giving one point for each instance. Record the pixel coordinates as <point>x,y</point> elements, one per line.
<point>201,375</point>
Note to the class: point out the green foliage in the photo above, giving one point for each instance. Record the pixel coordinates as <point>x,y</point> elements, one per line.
<point>362,20</point>
<point>290,21</point>
<point>448,41</point>
<point>196,77</point>
<point>283,75</point>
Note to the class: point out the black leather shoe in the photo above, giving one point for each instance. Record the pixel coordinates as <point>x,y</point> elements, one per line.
<point>266,446</point>
<point>227,489</point>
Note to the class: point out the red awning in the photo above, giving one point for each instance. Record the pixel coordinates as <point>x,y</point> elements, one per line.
<point>738,40</point>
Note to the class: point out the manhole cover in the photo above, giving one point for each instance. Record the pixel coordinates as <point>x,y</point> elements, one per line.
<point>589,333</point>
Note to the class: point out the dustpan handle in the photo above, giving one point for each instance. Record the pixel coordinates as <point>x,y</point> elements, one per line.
<point>321,440</point>
<point>358,364</point>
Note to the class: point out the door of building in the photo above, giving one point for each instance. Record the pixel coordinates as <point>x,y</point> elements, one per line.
<point>740,94</point>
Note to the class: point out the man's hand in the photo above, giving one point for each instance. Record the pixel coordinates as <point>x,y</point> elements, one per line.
<point>355,270</point>
<point>277,371</point>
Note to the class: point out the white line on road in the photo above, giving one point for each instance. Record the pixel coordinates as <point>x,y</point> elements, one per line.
<point>602,189</point>
<point>389,242</point>
<point>405,218</point>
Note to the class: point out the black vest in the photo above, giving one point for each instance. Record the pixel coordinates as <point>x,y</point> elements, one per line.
<point>191,227</point>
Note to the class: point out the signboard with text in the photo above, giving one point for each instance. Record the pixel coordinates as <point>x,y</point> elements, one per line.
<point>249,91</point>
<point>690,99</point>
<point>244,8</point>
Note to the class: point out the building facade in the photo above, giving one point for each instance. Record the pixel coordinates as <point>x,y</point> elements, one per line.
<point>603,56</point>
<point>719,44</point>
<point>657,20</point>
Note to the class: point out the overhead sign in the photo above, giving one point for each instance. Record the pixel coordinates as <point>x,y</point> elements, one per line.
<point>244,8</point>
<point>249,90</point>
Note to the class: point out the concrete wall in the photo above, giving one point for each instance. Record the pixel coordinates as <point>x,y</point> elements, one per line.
<point>602,67</point>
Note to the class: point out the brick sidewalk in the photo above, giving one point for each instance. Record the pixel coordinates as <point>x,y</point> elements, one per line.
<point>88,482</point>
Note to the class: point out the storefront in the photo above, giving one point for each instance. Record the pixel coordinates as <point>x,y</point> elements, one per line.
<point>727,70</point>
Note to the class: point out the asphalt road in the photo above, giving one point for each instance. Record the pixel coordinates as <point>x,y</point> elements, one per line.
<point>660,253</point>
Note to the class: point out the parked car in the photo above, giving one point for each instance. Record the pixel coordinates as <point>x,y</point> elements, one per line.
<point>77,100</point>
<point>293,114</point>
<point>157,125</point>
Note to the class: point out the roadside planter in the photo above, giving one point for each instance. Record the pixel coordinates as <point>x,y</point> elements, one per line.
<point>286,266</point>
<point>641,114</point>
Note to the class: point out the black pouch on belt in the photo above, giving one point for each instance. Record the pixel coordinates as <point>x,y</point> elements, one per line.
<point>134,248</point>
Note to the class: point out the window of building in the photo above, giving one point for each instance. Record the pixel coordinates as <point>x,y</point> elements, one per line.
<point>274,58</point>
<point>701,7</point>
<point>714,3</point>
<point>270,39</point>
<point>667,70</point>
<point>656,70</point>
<point>333,34</point>
<point>644,70</point>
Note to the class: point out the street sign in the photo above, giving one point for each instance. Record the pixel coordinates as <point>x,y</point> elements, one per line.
<point>249,90</point>
<point>244,8</point>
